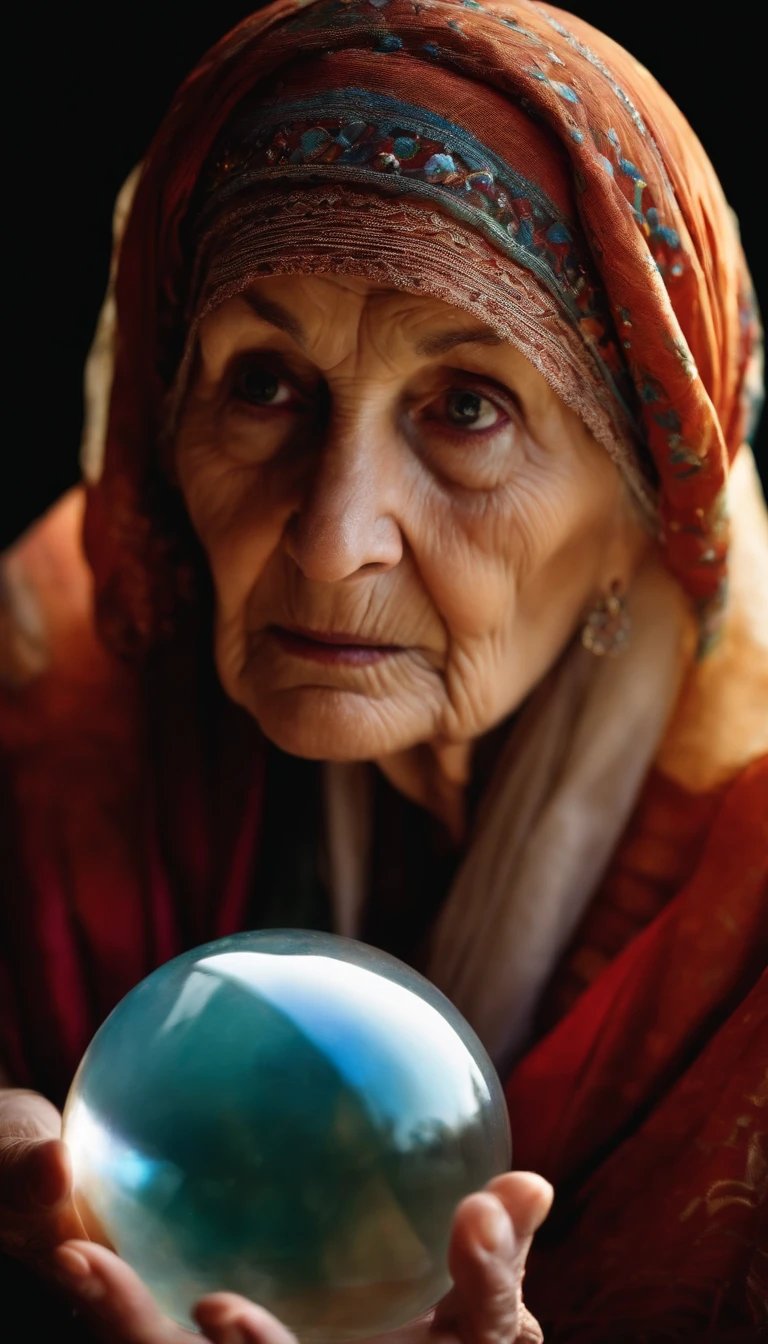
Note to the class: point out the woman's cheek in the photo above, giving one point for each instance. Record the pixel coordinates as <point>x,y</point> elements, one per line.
<point>471,553</point>
<point>235,521</point>
<point>245,538</point>
<point>250,441</point>
<point>221,491</point>
<point>484,577</point>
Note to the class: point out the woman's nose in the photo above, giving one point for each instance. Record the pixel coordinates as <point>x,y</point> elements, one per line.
<point>345,523</point>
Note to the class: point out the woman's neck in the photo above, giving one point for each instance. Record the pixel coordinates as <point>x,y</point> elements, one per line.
<point>435,775</point>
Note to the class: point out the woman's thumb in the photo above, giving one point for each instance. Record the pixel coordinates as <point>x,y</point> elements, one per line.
<point>34,1165</point>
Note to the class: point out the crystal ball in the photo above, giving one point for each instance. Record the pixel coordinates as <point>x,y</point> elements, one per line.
<point>288,1115</point>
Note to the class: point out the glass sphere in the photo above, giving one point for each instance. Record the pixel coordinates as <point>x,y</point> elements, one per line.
<point>291,1116</point>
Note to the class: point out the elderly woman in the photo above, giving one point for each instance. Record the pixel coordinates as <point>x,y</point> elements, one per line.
<point>395,602</point>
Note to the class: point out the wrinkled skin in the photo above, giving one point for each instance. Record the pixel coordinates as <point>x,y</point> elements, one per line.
<point>361,462</point>
<point>357,459</point>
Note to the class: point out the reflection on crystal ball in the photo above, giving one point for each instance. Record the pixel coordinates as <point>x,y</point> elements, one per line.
<point>291,1116</point>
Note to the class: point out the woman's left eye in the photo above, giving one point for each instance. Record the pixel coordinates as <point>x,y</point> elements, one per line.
<point>471,410</point>
<point>260,387</point>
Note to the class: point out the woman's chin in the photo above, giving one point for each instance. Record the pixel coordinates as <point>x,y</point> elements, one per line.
<point>325,724</point>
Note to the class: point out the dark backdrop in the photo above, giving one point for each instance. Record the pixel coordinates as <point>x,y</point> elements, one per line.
<point>93,82</point>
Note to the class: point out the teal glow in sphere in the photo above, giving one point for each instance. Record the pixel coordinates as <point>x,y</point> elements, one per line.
<point>291,1116</point>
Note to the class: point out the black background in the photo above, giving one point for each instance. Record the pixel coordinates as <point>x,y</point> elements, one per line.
<point>92,84</point>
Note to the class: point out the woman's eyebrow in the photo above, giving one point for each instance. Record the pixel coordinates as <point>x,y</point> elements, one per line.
<point>440,342</point>
<point>276,315</point>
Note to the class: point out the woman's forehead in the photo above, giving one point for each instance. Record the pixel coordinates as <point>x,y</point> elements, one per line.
<point>296,302</point>
<point>348,292</point>
<point>318,313</point>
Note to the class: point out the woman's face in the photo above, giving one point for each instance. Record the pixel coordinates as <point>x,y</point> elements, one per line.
<point>403,521</point>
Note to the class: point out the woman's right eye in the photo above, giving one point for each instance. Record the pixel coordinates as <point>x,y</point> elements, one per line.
<point>262,387</point>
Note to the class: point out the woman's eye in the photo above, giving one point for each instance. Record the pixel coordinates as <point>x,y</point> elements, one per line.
<point>471,410</point>
<point>259,387</point>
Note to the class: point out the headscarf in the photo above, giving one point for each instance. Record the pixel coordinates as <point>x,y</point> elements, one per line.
<point>533,170</point>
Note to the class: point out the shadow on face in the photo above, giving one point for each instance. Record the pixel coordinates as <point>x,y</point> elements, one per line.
<point>404,523</point>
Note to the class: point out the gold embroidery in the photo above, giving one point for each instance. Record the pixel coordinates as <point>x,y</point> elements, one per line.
<point>752,1190</point>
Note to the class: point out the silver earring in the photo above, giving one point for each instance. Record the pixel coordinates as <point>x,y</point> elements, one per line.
<point>606,629</point>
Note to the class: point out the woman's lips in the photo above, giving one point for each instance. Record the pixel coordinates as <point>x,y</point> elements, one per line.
<point>322,646</point>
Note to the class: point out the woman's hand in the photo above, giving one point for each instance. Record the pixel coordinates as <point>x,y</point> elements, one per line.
<point>491,1236</point>
<point>36,1209</point>
<point>38,1223</point>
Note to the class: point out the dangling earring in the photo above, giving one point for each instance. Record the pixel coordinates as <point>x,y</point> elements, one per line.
<point>606,629</point>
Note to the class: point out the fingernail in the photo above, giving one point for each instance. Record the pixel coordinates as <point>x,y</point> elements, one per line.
<point>493,1226</point>
<point>74,1273</point>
